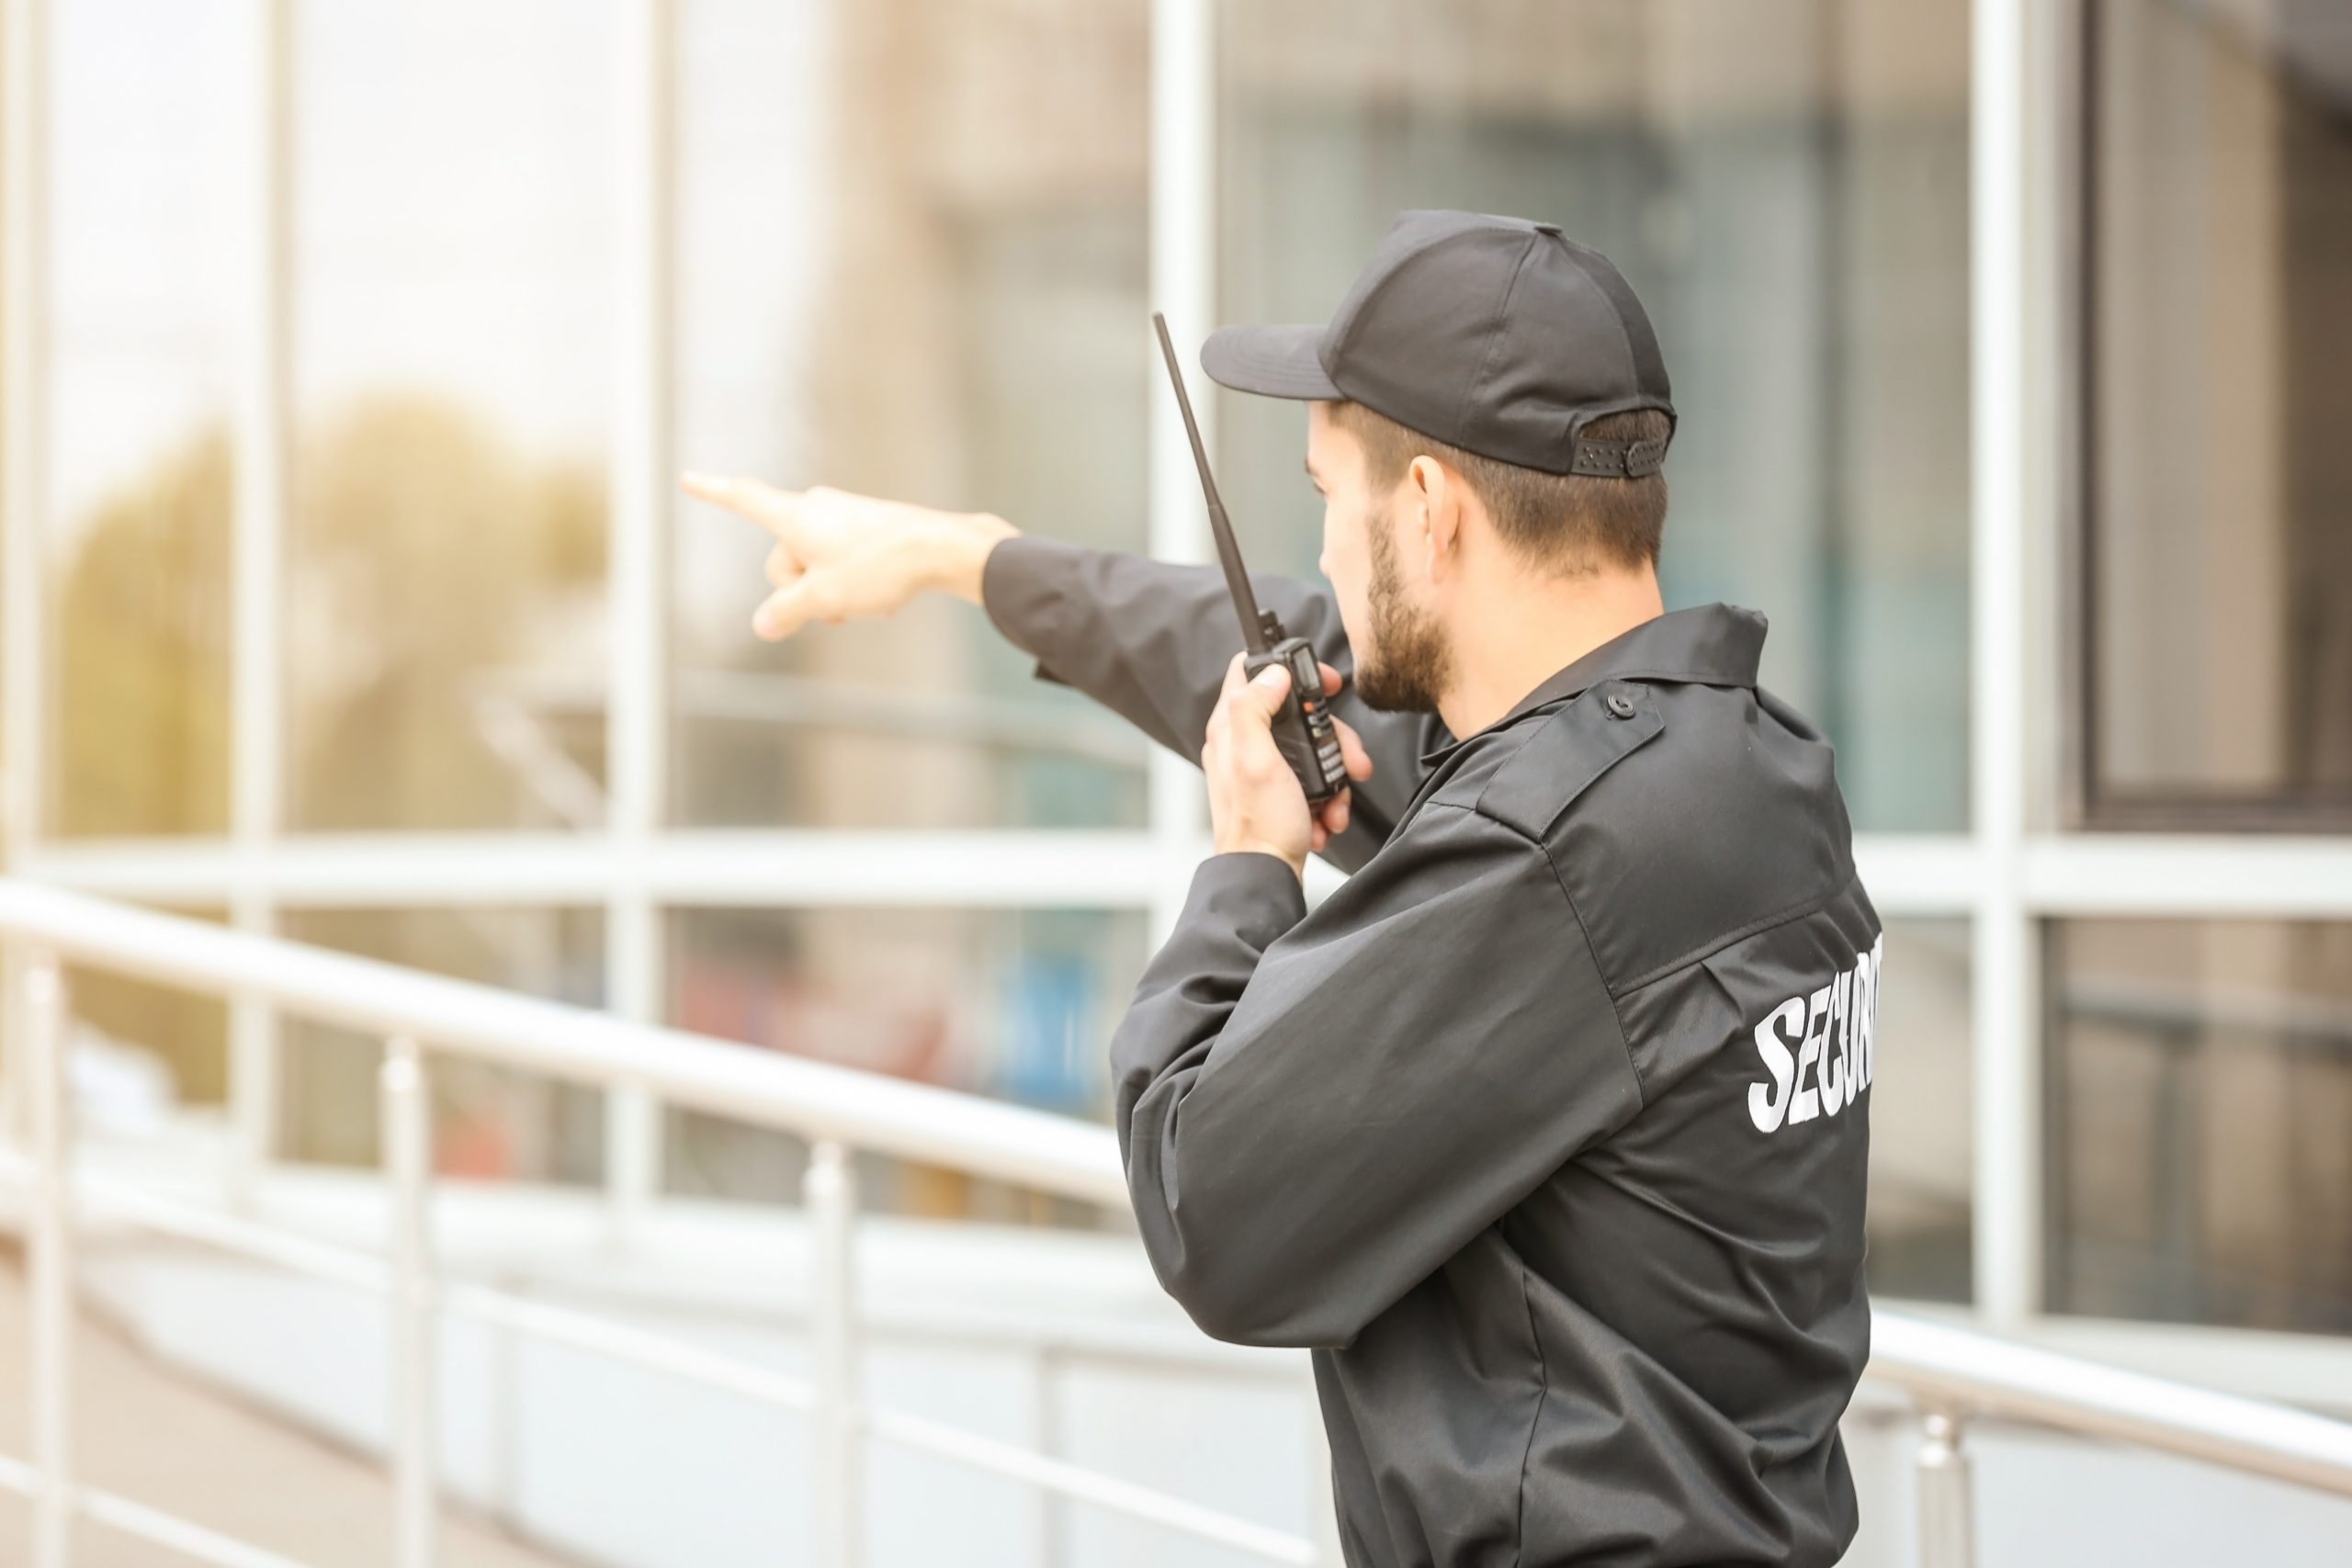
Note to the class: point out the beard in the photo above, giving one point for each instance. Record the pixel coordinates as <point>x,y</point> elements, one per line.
<point>1409,663</point>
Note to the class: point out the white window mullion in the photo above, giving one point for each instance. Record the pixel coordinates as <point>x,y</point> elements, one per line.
<point>1183,284</point>
<point>24,752</point>
<point>637,583</point>
<point>2007,1227</point>
<point>257,556</point>
<point>1918,876</point>
<point>746,868</point>
<point>23,318</point>
<point>2190,877</point>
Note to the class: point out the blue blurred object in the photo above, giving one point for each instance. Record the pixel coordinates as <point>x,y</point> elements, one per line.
<point>1048,1059</point>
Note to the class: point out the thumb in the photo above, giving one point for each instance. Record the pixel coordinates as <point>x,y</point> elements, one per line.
<point>791,607</point>
<point>1269,686</point>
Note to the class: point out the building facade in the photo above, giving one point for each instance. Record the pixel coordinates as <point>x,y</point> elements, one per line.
<point>351,349</point>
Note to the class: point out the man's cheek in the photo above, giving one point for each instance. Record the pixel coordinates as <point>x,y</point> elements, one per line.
<point>1353,619</point>
<point>1347,591</point>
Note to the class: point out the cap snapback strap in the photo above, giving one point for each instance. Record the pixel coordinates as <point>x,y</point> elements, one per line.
<point>1617,459</point>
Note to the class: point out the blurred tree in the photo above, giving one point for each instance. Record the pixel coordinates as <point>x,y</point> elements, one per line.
<point>142,731</point>
<point>421,553</point>
<point>142,726</point>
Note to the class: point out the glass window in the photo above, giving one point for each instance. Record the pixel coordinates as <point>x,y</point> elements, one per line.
<point>1018,1004</point>
<point>1923,1116</point>
<point>910,262</point>
<point>143,1053</point>
<point>1785,185</point>
<point>453,369</point>
<point>2200,1122</point>
<point>2219,380</point>
<point>141,253</point>
<point>488,1122</point>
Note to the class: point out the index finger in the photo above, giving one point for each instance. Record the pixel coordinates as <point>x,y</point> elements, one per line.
<point>775,509</point>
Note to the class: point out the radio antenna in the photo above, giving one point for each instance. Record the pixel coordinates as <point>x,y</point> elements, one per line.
<point>1245,604</point>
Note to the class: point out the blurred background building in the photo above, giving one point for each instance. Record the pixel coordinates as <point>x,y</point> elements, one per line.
<point>355,345</point>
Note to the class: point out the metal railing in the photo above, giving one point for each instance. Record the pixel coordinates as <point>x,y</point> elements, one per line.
<point>1953,1375</point>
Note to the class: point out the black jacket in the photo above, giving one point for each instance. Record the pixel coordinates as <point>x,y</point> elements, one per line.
<point>1548,1129</point>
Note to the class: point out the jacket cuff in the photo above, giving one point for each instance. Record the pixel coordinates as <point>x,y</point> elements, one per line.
<point>1248,892</point>
<point>1023,589</point>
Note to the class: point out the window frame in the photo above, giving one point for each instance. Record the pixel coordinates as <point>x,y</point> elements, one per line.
<point>2092,803</point>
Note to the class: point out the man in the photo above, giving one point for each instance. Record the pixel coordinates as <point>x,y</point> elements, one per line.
<point>1547,1129</point>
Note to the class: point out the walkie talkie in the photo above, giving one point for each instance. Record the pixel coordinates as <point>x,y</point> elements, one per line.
<point>1303,728</point>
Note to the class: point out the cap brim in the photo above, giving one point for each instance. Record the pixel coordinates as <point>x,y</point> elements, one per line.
<point>1274,362</point>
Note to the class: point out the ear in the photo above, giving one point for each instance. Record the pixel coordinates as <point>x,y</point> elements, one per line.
<point>1436,498</point>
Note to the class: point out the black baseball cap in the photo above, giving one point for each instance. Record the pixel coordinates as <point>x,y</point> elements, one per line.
<point>1498,336</point>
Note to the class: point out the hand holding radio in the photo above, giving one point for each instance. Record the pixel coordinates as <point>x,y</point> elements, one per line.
<point>840,556</point>
<point>1255,798</point>
<point>1302,725</point>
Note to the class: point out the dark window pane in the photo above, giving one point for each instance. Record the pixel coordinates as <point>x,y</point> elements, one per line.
<point>1922,1116</point>
<point>2221,560</point>
<point>1785,185</point>
<point>911,262</point>
<point>1017,1004</point>
<point>2200,1122</point>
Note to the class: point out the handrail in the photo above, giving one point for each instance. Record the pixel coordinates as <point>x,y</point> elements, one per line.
<point>1954,1374</point>
<point>121,1202</point>
<point>1971,1373</point>
<point>418,1016</point>
<point>815,1100</point>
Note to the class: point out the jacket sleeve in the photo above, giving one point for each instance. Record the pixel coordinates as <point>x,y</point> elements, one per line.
<point>1316,1111</point>
<point>1150,642</point>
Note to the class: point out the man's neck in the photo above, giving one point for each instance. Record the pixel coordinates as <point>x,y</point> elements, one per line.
<point>1518,641</point>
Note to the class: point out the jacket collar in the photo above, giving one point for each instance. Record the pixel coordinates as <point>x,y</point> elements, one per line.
<point>1706,645</point>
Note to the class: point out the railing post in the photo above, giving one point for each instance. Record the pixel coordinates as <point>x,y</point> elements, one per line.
<point>411,1367</point>
<point>1947,1496</point>
<point>13,1126</point>
<point>838,1490</point>
<point>49,1261</point>
<point>1052,1510</point>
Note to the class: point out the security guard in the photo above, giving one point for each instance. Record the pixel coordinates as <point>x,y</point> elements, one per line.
<point>1548,1129</point>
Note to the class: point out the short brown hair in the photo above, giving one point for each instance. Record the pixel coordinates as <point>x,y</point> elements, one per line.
<point>1572,523</point>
